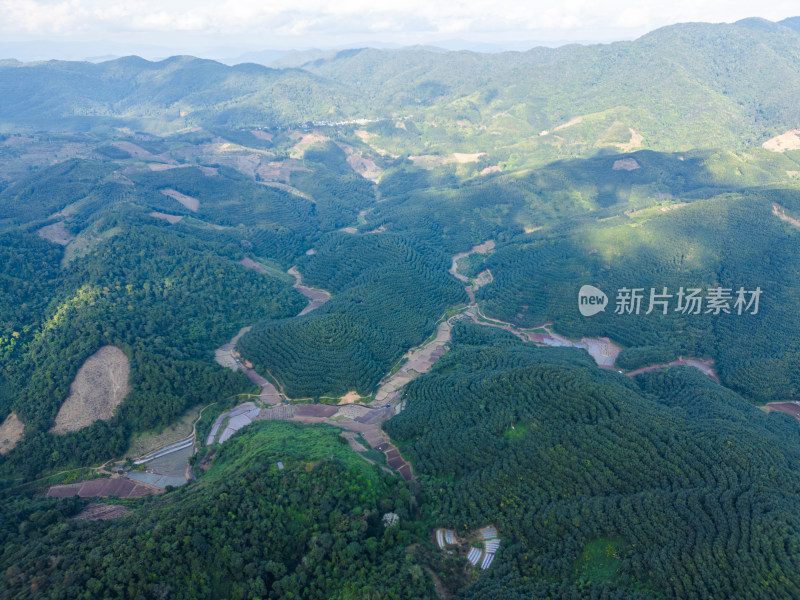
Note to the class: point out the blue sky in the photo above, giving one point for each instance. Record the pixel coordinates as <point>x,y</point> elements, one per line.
<point>196,24</point>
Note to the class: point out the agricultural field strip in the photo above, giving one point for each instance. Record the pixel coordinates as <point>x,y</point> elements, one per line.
<point>165,451</point>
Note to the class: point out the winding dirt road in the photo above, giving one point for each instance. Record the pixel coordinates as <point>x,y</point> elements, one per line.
<point>316,297</point>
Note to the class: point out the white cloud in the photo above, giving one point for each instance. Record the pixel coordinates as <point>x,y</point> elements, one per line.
<point>250,21</point>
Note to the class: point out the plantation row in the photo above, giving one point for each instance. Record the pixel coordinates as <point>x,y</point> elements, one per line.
<point>388,295</point>
<point>537,277</point>
<point>559,453</point>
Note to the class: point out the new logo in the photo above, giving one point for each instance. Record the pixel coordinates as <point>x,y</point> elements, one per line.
<point>591,300</point>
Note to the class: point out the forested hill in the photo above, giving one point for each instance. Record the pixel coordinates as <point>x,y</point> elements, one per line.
<point>688,85</point>
<point>661,487</point>
<point>255,531</point>
<point>157,95</point>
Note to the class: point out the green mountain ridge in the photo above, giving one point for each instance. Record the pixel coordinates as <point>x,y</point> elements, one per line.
<point>688,85</point>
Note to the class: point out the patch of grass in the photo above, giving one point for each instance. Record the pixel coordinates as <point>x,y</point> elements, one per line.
<point>294,444</point>
<point>374,455</point>
<point>517,432</point>
<point>599,562</point>
<point>274,269</point>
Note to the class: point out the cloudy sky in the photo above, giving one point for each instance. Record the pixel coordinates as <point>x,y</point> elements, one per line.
<point>213,25</point>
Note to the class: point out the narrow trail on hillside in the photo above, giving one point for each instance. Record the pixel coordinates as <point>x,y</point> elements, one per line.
<point>316,297</point>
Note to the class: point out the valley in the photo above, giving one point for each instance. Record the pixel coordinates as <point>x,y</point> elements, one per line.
<point>365,419</point>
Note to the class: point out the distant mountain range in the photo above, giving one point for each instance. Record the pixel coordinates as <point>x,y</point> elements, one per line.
<point>686,85</point>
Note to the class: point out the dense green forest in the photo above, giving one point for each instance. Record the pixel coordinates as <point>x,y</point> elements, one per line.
<point>166,299</point>
<point>677,87</point>
<point>246,530</point>
<point>157,207</point>
<point>694,486</point>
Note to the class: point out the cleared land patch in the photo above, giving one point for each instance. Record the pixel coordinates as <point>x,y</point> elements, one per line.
<point>207,171</point>
<point>780,212</point>
<point>569,123</point>
<point>134,150</point>
<point>262,135</point>
<point>178,430</point>
<point>99,387</point>
<point>428,161</point>
<point>280,170</point>
<point>789,140</point>
<point>483,248</point>
<point>361,164</point>
<point>287,188</point>
<point>122,487</point>
<point>56,233</point>
<point>249,263</point>
<point>790,408</point>
<point>306,141</point>
<point>625,164</point>
<point>171,219</point>
<point>490,170</point>
<point>635,141</point>
<point>705,366</point>
<point>187,201</point>
<point>100,512</point>
<point>85,241</point>
<point>11,432</point>
<point>365,136</point>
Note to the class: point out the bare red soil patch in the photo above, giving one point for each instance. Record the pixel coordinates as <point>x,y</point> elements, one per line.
<point>122,487</point>
<point>790,408</point>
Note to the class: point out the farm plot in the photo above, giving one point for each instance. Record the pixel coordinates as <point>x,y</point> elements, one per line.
<point>232,421</point>
<point>101,512</point>
<point>102,488</point>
